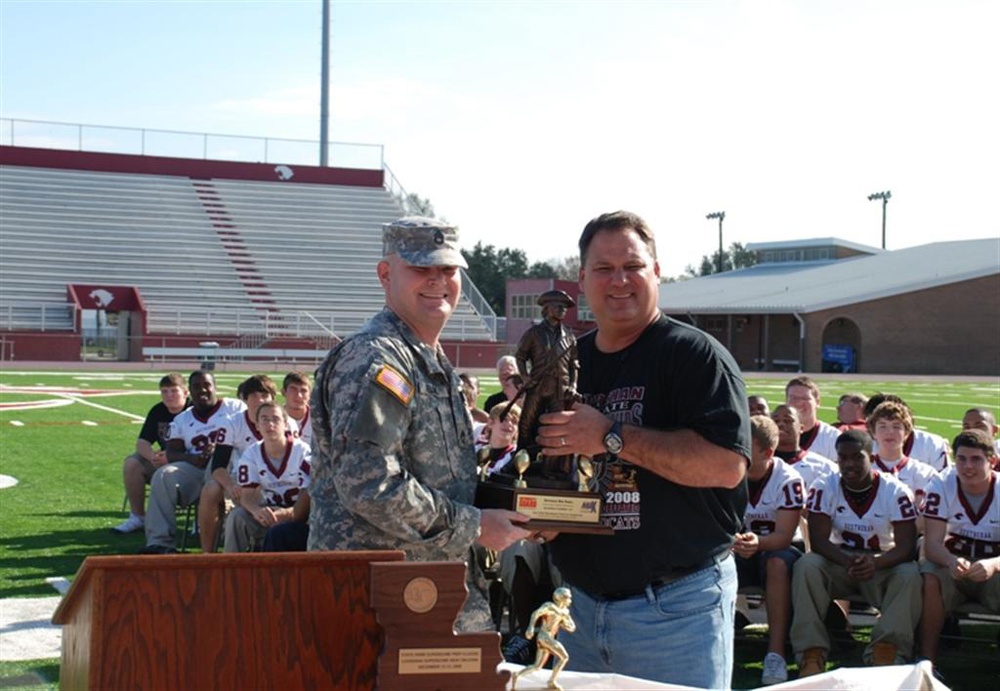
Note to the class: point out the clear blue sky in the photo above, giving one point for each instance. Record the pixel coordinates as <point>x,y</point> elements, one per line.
<point>522,120</point>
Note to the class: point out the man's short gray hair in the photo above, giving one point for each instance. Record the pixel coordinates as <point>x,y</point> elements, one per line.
<point>508,360</point>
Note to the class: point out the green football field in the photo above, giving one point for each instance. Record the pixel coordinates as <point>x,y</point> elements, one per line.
<point>63,436</point>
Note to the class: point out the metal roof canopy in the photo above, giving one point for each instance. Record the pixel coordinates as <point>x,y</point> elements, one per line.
<point>804,287</point>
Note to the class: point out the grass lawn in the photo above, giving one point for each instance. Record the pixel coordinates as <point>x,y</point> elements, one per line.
<point>67,459</point>
<point>32,675</point>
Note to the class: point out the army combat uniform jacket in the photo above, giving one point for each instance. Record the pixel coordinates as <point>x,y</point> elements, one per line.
<point>393,459</point>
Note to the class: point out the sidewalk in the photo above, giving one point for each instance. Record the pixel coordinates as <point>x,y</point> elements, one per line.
<point>26,629</point>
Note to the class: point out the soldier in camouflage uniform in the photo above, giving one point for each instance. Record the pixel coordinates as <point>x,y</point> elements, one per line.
<point>394,466</point>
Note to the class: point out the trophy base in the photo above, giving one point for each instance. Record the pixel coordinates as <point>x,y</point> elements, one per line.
<point>565,511</point>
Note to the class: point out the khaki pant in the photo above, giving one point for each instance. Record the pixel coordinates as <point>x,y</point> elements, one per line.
<point>955,593</point>
<point>243,532</point>
<point>172,485</point>
<point>896,592</point>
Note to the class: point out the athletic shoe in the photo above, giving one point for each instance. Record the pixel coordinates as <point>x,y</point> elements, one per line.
<point>934,670</point>
<point>131,525</point>
<point>775,670</point>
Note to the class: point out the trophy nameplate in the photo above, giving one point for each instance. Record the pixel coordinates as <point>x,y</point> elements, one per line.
<point>416,603</point>
<point>565,511</point>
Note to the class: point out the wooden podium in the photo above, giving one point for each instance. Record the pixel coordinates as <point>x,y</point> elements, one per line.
<point>224,621</point>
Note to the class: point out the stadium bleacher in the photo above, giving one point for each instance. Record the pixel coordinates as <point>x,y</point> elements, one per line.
<point>209,256</point>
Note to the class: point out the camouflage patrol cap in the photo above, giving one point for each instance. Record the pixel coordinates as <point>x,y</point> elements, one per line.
<point>422,241</point>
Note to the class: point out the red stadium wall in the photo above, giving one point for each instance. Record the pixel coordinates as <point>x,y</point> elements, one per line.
<point>37,345</point>
<point>474,354</point>
<point>183,167</point>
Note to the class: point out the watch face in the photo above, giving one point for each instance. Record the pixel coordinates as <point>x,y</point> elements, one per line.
<point>613,443</point>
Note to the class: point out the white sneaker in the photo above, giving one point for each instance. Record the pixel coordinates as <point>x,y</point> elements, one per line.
<point>775,670</point>
<point>131,525</point>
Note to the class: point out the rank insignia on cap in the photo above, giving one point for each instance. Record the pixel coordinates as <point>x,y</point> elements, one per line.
<point>395,383</point>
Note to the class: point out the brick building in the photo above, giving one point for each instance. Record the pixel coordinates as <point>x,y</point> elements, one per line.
<point>831,305</point>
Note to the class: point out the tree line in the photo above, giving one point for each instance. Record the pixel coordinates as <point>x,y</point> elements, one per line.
<point>491,267</point>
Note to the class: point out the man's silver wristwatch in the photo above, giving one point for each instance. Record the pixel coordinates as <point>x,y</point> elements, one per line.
<point>613,442</point>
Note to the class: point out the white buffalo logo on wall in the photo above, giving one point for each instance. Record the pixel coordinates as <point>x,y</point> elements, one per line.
<point>102,297</point>
<point>284,172</point>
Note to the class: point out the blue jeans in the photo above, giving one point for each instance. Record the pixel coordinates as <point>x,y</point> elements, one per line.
<point>678,633</point>
<point>287,537</point>
<point>753,571</point>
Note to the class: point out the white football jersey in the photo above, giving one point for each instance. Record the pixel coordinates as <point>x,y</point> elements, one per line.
<point>970,534</point>
<point>915,474</point>
<point>243,433</point>
<point>863,526</point>
<point>303,427</point>
<point>197,431</point>
<point>280,484</point>
<point>822,440</point>
<point>930,448</point>
<point>811,466</point>
<point>782,488</point>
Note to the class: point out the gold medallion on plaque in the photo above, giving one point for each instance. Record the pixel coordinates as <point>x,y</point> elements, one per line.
<point>420,595</point>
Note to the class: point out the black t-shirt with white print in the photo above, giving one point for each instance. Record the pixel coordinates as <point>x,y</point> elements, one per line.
<point>673,376</point>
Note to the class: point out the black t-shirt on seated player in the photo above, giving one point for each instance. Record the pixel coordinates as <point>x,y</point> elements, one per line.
<point>157,423</point>
<point>674,376</point>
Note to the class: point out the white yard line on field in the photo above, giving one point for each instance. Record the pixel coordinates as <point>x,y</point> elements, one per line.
<point>105,408</point>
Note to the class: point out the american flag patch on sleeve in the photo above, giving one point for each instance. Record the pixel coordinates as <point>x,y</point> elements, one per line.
<point>395,383</point>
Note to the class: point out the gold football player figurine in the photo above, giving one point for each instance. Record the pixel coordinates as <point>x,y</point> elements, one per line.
<point>483,459</point>
<point>549,618</point>
<point>584,471</point>
<point>521,463</point>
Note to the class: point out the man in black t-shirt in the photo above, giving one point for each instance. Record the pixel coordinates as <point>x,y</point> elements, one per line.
<point>665,420</point>
<point>139,467</point>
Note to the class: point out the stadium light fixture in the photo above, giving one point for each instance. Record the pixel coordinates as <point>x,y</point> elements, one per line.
<point>885,197</point>
<point>721,215</point>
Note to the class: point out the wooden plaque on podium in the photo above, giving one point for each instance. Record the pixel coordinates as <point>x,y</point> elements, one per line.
<point>223,621</point>
<point>416,604</point>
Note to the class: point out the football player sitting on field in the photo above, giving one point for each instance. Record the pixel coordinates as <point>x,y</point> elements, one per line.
<point>811,466</point>
<point>240,433</point>
<point>271,473</point>
<point>191,442</point>
<point>765,554</point>
<point>296,389</point>
<point>982,419</point>
<point>862,526</point>
<point>890,425</point>
<point>962,537</point>
<point>802,393</point>
<point>923,446</point>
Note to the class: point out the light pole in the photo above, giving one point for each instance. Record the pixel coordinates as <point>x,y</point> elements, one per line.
<point>721,215</point>
<point>885,197</point>
<point>324,88</point>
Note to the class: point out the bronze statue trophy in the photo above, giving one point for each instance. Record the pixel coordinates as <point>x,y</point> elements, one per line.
<point>553,490</point>
<point>545,623</point>
<point>546,359</point>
